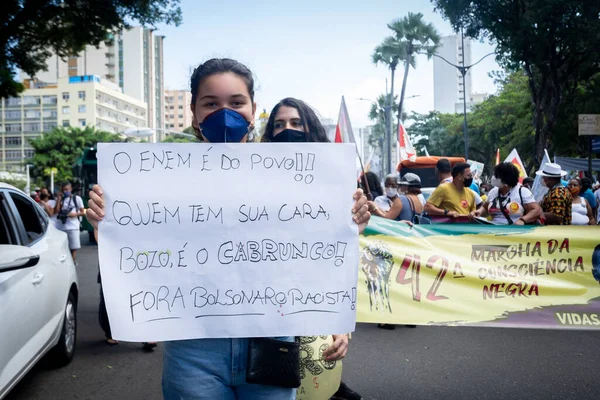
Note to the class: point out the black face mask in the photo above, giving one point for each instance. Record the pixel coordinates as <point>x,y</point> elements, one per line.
<point>468,182</point>
<point>290,135</point>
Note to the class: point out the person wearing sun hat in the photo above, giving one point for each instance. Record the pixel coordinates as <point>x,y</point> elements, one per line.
<point>557,203</point>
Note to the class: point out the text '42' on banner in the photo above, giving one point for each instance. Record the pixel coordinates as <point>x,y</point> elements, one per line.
<point>228,240</point>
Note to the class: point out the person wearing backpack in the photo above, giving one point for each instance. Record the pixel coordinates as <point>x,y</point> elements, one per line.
<point>509,203</point>
<point>68,209</point>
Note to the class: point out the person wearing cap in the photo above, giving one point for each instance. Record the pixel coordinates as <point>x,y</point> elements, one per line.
<point>403,205</point>
<point>557,203</point>
<point>453,199</point>
<point>385,201</point>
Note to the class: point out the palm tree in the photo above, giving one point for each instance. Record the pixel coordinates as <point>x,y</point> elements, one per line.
<point>390,52</point>
<point>413,36</point>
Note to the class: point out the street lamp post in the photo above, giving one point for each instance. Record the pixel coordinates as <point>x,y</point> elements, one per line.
<point>28,181</point>
<point>463,69</point>
<point>387,110</point>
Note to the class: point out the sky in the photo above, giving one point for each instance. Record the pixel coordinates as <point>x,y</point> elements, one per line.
<point>316,51</point>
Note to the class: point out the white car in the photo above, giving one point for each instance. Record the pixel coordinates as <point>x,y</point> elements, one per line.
<point>38,289</point>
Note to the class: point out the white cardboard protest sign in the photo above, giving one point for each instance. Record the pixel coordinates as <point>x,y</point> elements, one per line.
<point>228,240</point>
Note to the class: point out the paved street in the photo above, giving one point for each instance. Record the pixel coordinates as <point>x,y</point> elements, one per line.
<point>421,363</point>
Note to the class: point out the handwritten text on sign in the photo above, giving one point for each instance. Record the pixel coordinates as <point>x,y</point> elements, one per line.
<point>228,240</point>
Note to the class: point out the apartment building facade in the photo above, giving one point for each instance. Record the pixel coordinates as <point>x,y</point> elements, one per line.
<point>178,114</point>
<point>73,101</point>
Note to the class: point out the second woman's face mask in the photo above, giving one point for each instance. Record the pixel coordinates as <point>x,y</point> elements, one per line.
<point>290,135</point>
<point>224,125</point>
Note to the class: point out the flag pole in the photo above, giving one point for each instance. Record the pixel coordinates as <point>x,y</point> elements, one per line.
<point>362,167</point>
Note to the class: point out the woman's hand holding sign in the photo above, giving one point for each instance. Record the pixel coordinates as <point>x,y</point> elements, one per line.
<point>338,349</point>
<point>360,210</point>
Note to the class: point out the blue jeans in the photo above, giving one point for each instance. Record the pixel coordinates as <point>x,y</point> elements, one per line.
<point>213,369</point>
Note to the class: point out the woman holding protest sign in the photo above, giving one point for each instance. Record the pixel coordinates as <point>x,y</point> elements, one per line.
<point>223,110</point>
<point>509,202</point>
<point>292,120</point>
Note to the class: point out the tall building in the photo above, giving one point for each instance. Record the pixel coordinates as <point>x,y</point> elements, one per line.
<point>178,114</point>
<point>72,101</point>
<point>448,90</point>
<point>133,60</point>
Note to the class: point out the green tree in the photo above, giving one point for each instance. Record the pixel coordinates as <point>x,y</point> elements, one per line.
<point>413,36</point>
<point>179,139</point>
<point>30,31</point>
<point>61,147</point>
<point>436,132</point>
<point>553,41</point>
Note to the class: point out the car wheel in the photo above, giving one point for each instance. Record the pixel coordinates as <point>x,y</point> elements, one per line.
<point>63,352</point>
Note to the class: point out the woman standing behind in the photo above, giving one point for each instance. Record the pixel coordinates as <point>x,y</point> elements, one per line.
<point>509,202</point>
<point>293,120</point>
<point>581,210</point>
<point>404,206</point>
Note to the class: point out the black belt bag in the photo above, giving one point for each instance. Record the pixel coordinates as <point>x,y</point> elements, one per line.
<point>273,362</point>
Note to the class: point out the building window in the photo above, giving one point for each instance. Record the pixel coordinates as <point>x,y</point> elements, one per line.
<point>81,94</point>
<point>81,108</point>
<point>48,126</point>
<point>31,100</point>
<point>13,154</point>
<point>65,96</point>
<point>66,110</point>
<point>33,114</point>
<point>51,114</point>
<point>13,127</point>
<point>13,101</point>
<point>66,122</point>
<point>29,153</point>
<point>181,106</point>
<point>49,100</point>
<point>180,125</point>
<point>13,114</point>
<point>180,97</point>
<point>82,122</point>
<point>180,116</point>
<point>31,127</point>
<point>171,107</point>
<point>13,140</point>
<point>172,116</point>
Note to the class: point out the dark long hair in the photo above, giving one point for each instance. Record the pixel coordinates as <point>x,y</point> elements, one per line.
<point>315,131</point>
<point>219,66</point>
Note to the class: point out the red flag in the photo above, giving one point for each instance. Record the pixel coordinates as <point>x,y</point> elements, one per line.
<point>406,149</point>
<point>343,130</point>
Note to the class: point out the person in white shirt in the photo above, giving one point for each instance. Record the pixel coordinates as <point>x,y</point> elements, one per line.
<point>509,202</point>
<point>68,209</point>
<point>384,202</point>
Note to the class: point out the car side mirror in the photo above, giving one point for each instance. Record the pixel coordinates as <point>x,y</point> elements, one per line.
<point>16,257</point>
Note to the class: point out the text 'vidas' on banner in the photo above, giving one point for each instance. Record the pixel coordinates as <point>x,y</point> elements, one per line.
<point>228,240</point>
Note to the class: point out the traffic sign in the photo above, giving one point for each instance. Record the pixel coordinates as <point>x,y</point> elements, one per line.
<point>596,145</point>
<point>589,124</point>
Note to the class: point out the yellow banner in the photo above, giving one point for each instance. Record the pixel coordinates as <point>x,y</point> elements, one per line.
<point>530,277</point>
